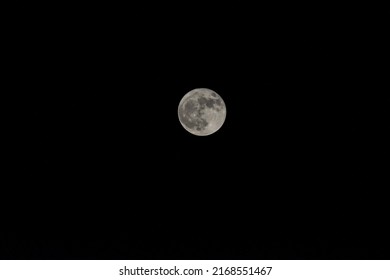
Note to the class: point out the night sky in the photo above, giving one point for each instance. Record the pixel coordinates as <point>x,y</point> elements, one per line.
<point>101,167</point>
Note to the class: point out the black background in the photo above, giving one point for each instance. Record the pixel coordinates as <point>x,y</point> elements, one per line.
<point>101,168</point>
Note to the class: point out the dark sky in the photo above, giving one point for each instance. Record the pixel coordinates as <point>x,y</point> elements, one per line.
<point>102,169</point>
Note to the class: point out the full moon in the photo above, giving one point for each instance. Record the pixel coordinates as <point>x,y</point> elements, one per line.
<point>202,111</point>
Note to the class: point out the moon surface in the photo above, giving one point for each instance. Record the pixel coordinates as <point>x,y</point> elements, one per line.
<point>202,111</point>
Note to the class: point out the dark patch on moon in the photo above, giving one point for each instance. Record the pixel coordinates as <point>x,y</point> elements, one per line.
<point>185,112</point>
<point>202,100</point>
<point>187,122</point>
<point>190,106</point>
<point>188,109</point>
<point>213,94</point>
<point>200,124</point>
<point>210,103</point>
